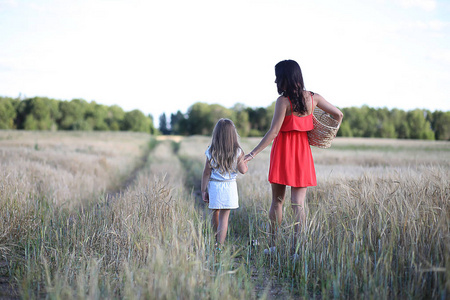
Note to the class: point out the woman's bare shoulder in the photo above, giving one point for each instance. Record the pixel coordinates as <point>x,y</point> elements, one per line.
<point>309,93</point>
<point>283,100</point>
<point>316,97</point>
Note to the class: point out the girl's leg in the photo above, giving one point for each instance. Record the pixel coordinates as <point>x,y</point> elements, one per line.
<point>298,196</point>
<point>276,209</point>
<point>222,228</point>
<point>215,220</point>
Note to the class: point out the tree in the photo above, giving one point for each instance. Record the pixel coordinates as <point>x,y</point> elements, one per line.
<point>96,115</point>
<point>73,115</point>
<point>38,114</point>
<point>7,113</point>
<point>344,129</point>
<point>218,112</point>
<point>135,120</point>
<point>353,118</point>
<point>163,124</point>
<point>370,122</point>
<point>441,125</point>
<point>178,123</point>
<point>202,117</point>
<point>114,117</point>
<point>419,127</point>
<point>152,129</point>
<point>398,118</point>
<point>385,124</point>
<point>387,130</point>
<point>241,119</point>
<point>198,120</point>
<point>259,120</point>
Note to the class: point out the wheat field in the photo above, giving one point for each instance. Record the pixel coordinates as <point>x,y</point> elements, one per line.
<point>89,215</point>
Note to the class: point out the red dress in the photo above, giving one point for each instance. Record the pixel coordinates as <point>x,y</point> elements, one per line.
<point>291,161</point>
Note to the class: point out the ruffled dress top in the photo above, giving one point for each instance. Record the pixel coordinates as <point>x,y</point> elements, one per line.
<point>291,161</point>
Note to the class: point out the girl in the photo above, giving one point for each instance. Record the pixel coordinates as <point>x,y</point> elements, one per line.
<point>291,161</point>
<point>224,157</point>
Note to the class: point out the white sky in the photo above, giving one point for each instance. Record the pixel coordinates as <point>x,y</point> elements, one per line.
<point>163,56</point>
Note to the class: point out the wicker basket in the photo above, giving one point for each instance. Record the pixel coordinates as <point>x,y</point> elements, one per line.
<point>325,129</point>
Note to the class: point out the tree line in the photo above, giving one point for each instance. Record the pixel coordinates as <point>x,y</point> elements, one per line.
<point>358,121</point>
<point>41,113</point>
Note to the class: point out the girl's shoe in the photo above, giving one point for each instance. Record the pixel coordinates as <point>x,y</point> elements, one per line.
<point>270,251</point>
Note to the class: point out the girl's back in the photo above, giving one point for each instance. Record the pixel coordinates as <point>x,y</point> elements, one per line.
<point>218,173</point>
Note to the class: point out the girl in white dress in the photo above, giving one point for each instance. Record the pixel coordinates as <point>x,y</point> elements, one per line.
<point>224,157</point>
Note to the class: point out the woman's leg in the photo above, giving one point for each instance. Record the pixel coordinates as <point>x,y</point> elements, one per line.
<point>222,227</point>
<point>298,196</point>
<point>276,209</point>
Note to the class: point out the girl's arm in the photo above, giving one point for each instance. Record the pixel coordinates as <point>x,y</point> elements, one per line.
<point>205,180</point>
<point>328,107</point>
<point>277,120</point>
<point>242,164</point>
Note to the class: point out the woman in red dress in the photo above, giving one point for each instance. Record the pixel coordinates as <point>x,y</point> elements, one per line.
<point>291,161</point>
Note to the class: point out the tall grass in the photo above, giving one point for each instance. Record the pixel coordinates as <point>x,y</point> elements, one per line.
<point>147,241</point>
<point>378,225</point>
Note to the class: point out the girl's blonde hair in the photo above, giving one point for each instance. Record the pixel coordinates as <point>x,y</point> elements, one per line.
<point>224,146</point>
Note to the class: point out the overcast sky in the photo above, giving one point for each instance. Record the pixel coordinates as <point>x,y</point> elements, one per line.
<point>163,56</point>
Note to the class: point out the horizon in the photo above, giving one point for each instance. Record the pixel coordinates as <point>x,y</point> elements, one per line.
<point>24,97</point>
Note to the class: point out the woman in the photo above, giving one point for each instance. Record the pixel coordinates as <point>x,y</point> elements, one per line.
<point>291,162</point>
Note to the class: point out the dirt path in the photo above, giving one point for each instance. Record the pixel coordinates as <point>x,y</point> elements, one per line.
<point>141,163</point>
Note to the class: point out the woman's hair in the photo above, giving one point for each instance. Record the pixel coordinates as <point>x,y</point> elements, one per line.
<point>290,84</point>
<point>224,146</point>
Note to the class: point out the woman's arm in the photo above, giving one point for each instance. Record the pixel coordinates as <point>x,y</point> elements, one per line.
<point>205,180</point>
<point>242,164</point>
<point>328,107</point>
<point>277,120</point>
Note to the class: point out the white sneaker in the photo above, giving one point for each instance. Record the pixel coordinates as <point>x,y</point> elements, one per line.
<point>271,250</point>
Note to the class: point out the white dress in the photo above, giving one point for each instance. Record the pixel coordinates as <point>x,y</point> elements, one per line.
<point>222,188</point>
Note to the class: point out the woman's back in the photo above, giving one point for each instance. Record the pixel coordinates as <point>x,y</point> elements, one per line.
<point>309,103</point>
<point>291,161</point>
<point>294,121</point>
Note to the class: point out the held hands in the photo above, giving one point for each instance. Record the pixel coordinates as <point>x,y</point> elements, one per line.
<point>205,197</point>
<point>248,157</point>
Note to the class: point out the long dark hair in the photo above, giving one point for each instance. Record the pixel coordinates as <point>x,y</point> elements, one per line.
<point>290,84</point>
